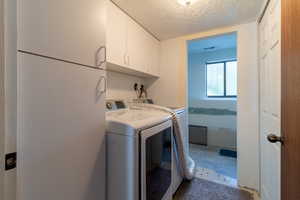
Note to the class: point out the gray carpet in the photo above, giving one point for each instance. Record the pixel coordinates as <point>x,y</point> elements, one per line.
<point>199,189</point>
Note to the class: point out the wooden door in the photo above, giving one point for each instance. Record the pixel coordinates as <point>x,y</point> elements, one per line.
<point>291,99</point>
<point>270,98</point>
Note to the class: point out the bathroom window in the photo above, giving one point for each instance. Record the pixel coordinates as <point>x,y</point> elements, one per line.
<point>221,79</point>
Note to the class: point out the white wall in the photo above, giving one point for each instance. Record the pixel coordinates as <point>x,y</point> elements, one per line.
<point>10,60</point>
<point>166,91</point>
<point>247,106</point>
<point>171,89</point>
<point>120,86</point>
<point>221,128</point>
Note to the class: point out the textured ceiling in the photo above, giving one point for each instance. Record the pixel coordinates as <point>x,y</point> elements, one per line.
<point>168,19</point>
<point>219,42</point>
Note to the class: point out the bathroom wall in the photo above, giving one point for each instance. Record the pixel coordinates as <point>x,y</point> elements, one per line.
<point>197,71</point>
<point>221,127</point>
<point>120,86</point>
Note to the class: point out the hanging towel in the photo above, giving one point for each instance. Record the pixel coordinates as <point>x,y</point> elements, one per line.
<point>186,163</point>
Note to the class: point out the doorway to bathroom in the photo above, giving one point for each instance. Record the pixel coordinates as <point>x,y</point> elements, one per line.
<point>212,99</point>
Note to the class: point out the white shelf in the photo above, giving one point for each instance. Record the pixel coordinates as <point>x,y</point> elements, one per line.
<point>129,71</point>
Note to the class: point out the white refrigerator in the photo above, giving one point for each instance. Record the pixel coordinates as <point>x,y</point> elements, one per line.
<point>61,99</point>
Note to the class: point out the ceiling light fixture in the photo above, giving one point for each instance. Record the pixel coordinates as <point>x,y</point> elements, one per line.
<point>185,2</point>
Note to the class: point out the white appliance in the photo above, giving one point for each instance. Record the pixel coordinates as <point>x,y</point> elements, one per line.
<point>61,100</point>
<point>181,114</point>
<point>139,153</point>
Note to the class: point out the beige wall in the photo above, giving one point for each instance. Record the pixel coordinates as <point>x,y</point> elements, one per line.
<point>171,90</point>
<point>120,86</point>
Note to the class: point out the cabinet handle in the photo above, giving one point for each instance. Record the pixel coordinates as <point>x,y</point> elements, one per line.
<point>99,58</point>
<point>128,60</point>
<point>105,84</point>
<point>99,88</point>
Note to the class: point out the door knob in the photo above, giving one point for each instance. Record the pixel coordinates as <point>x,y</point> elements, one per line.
<point>274,138</point>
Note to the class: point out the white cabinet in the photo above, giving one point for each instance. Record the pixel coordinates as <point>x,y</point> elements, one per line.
<point>143,49</point>
<point>116,35</point>
<point>61,135</point>
<point>69,30</point>
<point>136,46</point>
<point>130,48</point>
<point>154,56</point>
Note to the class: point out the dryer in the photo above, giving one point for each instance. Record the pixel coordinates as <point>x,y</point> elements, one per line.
<point>139,153</point>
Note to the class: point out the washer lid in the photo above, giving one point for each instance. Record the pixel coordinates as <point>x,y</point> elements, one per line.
<point>131,121</point>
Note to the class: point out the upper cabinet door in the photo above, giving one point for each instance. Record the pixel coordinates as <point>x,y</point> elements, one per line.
<point>116,35</point>
<point>155,57</point>
<point>71,30</point>
<point>151,55</point>
<point>136,46</point>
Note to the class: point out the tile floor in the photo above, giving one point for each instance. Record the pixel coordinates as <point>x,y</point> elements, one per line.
<point>213,167</point>
<point>209,157</point>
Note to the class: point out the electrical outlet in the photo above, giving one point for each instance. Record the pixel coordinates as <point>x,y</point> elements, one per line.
<point>10,161</point>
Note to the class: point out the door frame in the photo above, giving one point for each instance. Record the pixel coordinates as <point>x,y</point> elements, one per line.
<point>2,100</point>
<point>245,138</point>
<point>290,96</point>
<point>230,98</point>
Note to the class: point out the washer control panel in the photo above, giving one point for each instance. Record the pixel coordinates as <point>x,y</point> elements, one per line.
<point>115,105</point>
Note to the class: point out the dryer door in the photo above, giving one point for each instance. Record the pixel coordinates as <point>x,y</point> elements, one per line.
<point>156,162</point>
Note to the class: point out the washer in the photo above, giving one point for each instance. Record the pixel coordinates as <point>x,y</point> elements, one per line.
<point>139,153</point>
